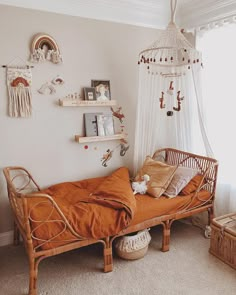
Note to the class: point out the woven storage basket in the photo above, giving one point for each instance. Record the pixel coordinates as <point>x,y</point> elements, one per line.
<point>223,239</point>
<point>133,247</point>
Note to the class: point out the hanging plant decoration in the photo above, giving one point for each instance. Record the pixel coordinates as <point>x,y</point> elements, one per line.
<point>43,48</point>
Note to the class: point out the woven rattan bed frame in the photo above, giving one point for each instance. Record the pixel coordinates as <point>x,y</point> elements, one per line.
<point>18,196</point>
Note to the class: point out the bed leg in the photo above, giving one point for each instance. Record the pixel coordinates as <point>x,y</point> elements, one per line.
<point>16,235</point>
<point>33,275</point>
<point>107,254</point>
<point>166,236</point>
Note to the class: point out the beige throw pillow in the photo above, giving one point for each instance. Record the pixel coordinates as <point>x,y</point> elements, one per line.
<point>160,176</point>
<point>181,178</point>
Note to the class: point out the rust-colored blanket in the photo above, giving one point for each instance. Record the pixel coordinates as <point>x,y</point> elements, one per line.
<point>95,208</point>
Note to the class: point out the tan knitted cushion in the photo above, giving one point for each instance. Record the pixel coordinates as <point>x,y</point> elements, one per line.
<point>160,176</point>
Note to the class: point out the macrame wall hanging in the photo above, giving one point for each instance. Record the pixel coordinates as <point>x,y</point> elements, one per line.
<point>45,48</point>
<point>19,80</point>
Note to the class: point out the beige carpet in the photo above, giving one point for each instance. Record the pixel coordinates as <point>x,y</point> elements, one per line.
<point>187,269</point>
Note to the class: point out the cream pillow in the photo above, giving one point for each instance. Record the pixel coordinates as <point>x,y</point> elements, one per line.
<point>160,176</point>
<point>181,178</point>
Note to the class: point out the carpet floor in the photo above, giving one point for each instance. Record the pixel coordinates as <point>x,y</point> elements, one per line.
<point>187,269</point>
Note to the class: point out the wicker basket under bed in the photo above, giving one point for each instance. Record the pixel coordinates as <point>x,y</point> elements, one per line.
<point>133,247</point>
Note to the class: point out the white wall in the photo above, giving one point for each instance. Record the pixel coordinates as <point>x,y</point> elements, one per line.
<point>44,143</point>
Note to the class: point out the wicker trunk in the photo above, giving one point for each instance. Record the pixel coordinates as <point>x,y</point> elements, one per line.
<point>223,238</point>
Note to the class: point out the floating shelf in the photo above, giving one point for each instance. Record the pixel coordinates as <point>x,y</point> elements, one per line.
<point>86,103</point>
<point>82,139</point>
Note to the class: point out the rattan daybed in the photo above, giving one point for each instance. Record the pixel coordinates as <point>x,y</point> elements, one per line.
<point>51,221</point>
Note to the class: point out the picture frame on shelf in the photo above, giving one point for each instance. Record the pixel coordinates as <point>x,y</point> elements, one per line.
<point>105,125</point>
<point>90,123</point>
<point>102,89</point>
<point>89,93</point>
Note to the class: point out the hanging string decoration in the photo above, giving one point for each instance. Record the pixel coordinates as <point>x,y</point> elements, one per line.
<point>106,157</point>
<point>170,93</point>
<point>118,114</point>
<point>19,82</point>
<point>45,48</point>
<point>109,153</point>
<point>123,145</point>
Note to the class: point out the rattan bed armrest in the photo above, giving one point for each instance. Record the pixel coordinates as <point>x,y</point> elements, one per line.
<point>206,183</point>
<point>54,205</point>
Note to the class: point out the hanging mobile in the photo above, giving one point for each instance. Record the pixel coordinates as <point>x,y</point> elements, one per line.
<point>162,105</point>
<point>179,99</point>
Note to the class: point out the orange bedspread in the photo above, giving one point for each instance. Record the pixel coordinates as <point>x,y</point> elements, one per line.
<point>95,208</point>
<point>149,207</point>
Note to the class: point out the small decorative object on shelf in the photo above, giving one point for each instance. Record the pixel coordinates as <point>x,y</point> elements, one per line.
<point>91,124</point>
<point>103,91</point>
<point>105,125</point>
<point>89,93</point>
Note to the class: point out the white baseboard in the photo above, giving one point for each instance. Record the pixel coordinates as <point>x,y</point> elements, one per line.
<point>6,238</point>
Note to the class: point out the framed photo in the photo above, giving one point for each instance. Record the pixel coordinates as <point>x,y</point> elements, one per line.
<point>102,89</point>
<point>89,93</point>
<point>105,125</point>
<point>90,122</point>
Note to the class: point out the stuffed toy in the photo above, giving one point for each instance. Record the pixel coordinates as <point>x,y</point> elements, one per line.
<point>141,187</point>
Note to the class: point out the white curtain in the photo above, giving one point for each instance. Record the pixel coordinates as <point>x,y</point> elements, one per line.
<point>219,56</point>
<point>184,130</point>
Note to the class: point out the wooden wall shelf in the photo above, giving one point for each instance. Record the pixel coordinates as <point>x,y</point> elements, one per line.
<point>84,139</point>
<point>86,103</point>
